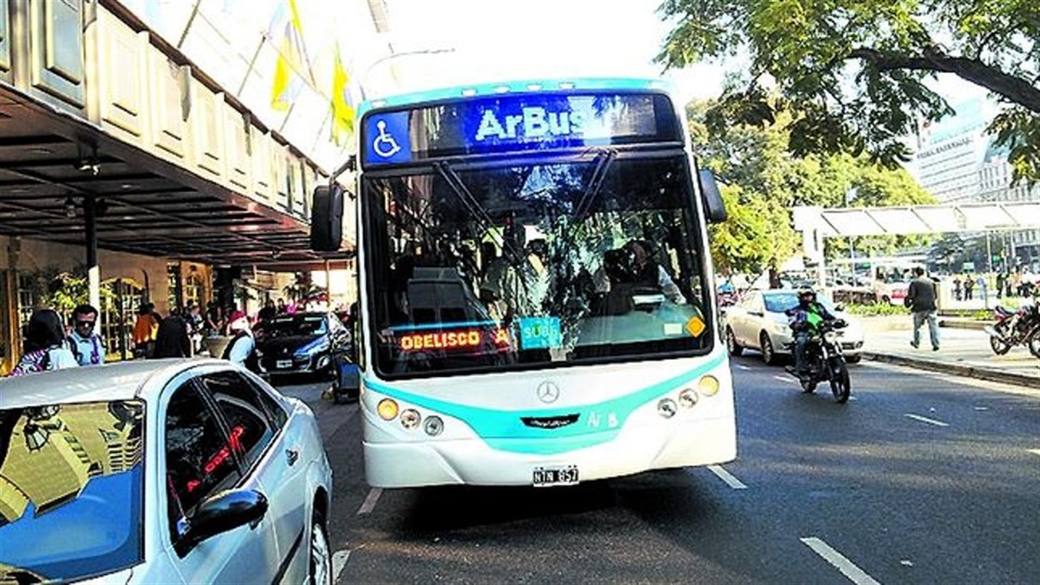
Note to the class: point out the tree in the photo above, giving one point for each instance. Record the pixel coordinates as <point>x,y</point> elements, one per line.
<point>853,73</point>
<point>763,180</point>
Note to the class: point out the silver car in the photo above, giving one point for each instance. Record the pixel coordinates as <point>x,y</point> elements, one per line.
<point>759,321</point>
<point>169,471</point>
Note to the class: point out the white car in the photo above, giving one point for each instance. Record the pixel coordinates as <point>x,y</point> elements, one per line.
<point>171,471</point>
<point>759,321</point>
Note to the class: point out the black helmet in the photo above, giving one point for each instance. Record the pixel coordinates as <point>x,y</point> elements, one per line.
<point>807,295</point>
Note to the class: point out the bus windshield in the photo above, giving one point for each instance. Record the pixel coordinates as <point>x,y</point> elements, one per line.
<point>524,265</point>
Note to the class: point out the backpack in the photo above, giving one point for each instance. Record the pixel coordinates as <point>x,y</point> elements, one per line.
<point>32,362</point>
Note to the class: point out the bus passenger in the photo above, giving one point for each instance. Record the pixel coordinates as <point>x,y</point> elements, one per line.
<point>648,272</point>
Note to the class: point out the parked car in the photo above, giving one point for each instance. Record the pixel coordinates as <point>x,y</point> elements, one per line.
<point>309,343</point>
<point>759,321</point>
<point>166,471</point>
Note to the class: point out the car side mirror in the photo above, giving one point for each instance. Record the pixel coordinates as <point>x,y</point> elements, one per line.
<point>327,218</point>
<point>714,206</point>
<point>220,513</point>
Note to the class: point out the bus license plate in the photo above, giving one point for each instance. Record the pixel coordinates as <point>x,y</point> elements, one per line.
<point>557,475</point>
<point>283,364</point>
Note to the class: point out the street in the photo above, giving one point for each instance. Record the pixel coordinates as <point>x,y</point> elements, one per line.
<point>921,478</point>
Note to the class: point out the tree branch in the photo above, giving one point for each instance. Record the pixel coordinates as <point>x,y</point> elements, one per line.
<point>1013,88</point>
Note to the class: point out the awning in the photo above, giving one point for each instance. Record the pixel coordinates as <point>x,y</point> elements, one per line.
<point>49,161</point>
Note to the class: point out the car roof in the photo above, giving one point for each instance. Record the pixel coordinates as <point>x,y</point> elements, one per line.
<point>119,381</point>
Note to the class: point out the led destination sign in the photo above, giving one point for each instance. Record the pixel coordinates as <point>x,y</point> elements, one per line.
<point>517,123</point>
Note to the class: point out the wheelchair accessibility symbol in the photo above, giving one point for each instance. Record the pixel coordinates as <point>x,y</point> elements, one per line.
<point>385,145</point>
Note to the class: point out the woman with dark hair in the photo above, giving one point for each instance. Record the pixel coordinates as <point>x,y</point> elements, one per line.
<point>45,347</point>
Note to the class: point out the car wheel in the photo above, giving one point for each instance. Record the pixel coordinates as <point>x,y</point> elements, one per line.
<point>731,343</point>
<point>854,359</point>
<point>768,351</point>
<point>320,567</point>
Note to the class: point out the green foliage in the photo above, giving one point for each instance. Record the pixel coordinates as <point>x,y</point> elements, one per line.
<point>763,180</point>
<point>853,73</point>
<point>64,290</point>
<point>875,310</point>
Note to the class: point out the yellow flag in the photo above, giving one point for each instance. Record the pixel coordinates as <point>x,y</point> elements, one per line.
<point>289,60</point>
<point>342,111</point>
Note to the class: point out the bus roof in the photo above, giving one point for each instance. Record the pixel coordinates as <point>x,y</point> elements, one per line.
<point>517,86</point>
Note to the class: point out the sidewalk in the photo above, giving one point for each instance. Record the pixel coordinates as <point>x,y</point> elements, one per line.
<point>963,352</point>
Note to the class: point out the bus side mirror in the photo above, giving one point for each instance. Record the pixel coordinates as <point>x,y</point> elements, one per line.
<point>327,218</point>
<point>713,203</point>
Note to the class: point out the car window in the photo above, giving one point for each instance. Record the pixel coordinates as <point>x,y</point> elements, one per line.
<point>276,412</point>
<point>247,418</point>
<point>199,459</point>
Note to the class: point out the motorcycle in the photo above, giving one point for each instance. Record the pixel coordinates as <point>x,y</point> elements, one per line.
<point>826,362</point>
<point>1014,328</point>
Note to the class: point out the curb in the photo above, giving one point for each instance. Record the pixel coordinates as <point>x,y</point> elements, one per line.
<point>989,374</point>
<point>961,324</point>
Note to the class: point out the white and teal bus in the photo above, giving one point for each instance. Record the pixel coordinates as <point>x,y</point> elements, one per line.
<point>536,296</point>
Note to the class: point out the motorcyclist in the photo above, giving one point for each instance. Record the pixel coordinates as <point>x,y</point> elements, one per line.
<point>806,319</point>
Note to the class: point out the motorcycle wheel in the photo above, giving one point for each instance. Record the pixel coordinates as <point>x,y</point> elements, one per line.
<point>841,387</point>
<point>999,346</point>
<point>1034,344</point>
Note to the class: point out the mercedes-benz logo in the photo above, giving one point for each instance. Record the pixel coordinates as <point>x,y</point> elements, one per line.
<point>548,392</point>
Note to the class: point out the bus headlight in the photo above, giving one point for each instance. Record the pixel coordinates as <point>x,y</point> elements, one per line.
<point>666,407</point>
<point>688,398</point>
<point>410,418</point>
<point>708,386</point>
<point>387,409</point>
<point>433,425</point>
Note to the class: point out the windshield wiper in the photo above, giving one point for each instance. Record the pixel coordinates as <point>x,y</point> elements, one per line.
<point>604,160</point>
<point>474,208</point>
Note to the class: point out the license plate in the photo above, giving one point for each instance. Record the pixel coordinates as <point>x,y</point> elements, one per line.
<point>556,475</point>
<point>283,364</point>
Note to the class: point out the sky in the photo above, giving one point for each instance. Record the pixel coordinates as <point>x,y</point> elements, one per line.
<point>497,40</point>
<point>494,40</point>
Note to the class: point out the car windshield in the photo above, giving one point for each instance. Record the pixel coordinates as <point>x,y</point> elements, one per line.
<point>782,302</point>
<point>71,490</point>
<point>295,325</point>
<point>531,264</point>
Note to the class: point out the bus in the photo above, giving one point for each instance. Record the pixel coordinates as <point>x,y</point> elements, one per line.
<point>537,304</point>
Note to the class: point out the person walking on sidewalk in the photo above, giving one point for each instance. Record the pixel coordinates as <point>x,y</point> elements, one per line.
<point>84,341</point>
<point>921,300</point>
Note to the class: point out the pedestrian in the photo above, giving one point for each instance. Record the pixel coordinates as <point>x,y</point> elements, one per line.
<point>84,342</point>
<point>45,345</point>
<point>921,300</point>
<point>146,328</point>
<point>196,322</point>
<point>1001,284</point>
<point>957,292</point>
<point>172,340</point>
<point>281,306</point>
<point>969,288</point>
<point>242,347</point>
<point>268,312</point>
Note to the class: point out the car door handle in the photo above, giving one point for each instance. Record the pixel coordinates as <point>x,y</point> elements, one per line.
<point>292,455</point>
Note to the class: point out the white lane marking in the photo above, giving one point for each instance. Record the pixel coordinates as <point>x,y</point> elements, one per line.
<point>339,562</point>
<point>742,367</point>
<point>981,408</point>
<point>838,560</point>
<point>925,419</point>
<point>788,380</point>
<point>1034,451</point>
<point>370,501</point>
<point>727,477</point>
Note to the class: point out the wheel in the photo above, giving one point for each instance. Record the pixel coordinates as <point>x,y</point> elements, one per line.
<point>768,351</point>
<point>841,387</point>
<point>1034,344</point>
<point>731,344</point>
<point>320,566</point>
<point>886,300</point>
<point>854,359</point>
<point>1000,347</point>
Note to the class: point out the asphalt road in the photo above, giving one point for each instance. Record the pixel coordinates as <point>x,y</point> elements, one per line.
<point>922,478</point>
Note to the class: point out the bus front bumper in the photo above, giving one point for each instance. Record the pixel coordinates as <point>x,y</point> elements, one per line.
<point>634,449</point>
